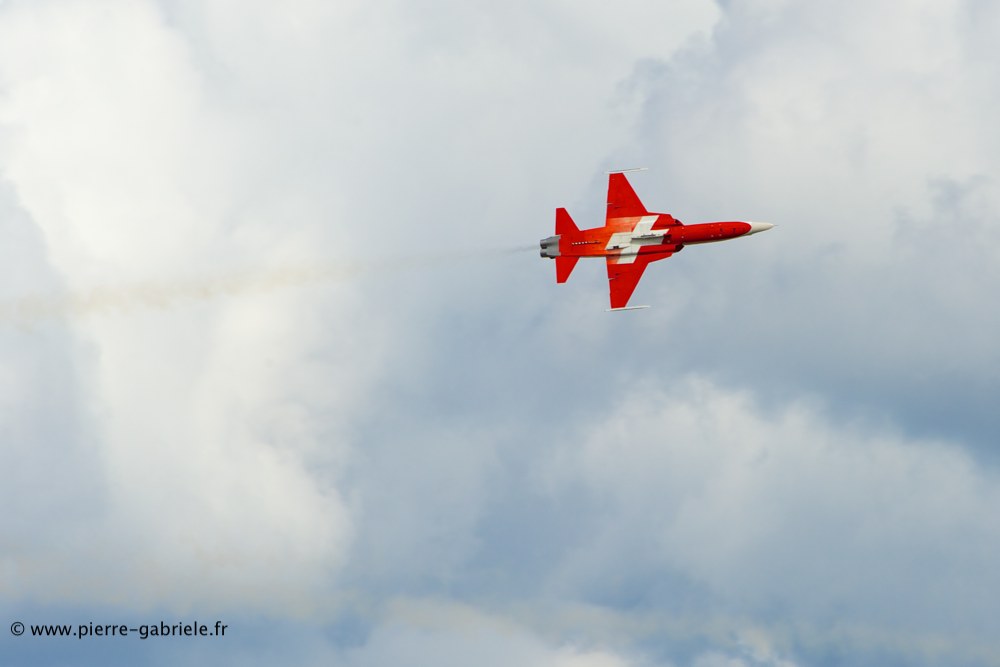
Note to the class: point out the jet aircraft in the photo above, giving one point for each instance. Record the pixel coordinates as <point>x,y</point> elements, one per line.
<point>631,239</point>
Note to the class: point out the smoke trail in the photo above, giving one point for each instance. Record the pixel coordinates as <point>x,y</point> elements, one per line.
<point>125,298</point>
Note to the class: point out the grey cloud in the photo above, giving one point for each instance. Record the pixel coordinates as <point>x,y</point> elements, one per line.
<point>52,486</point>
<point>866,291</point>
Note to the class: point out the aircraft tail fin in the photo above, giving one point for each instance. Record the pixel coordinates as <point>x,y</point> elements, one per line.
<point>565,226</point>
<point>564,223</point>
<point>564,267</point>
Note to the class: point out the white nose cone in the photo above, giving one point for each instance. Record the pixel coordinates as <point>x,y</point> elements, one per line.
<point>759,227</point>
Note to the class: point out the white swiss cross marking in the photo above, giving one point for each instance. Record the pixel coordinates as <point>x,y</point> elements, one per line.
<point>645,225</point>
<point>628,245</point>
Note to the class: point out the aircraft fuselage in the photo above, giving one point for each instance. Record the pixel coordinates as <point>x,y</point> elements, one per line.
<point>637,237</point>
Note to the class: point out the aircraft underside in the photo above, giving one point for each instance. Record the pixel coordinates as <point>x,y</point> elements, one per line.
<point>631,239</point>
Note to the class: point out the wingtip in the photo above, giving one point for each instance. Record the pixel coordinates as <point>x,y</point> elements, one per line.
<point>615,310</point>
<point>628,170</point>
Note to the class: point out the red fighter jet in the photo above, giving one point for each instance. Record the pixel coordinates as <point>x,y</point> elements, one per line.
<point>631,238</point>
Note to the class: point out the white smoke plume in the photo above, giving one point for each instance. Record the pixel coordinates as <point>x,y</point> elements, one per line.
<point>124,298</point>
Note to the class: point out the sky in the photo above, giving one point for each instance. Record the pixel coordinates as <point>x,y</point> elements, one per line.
<point>277,348</point>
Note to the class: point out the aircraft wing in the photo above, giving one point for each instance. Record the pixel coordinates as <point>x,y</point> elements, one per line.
<point>622,200</point>
<point>623,277</point>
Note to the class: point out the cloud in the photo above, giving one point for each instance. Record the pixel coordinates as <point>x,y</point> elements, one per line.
<point>780,514</point>
<point>427,633</point>
<point>149,145</point>
<point>51,482</point>
<point>847,135</point>
<point>205,465</point>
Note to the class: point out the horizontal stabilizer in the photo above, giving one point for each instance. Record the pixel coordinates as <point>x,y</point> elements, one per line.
<point>564,267</point>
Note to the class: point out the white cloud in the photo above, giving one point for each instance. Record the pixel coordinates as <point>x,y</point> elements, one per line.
<point>51,482</point>
<point>867,141</point>
<point>427,633</point>
<point>214,430</point>
<point>784,509</point>
<point>157,143</point>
